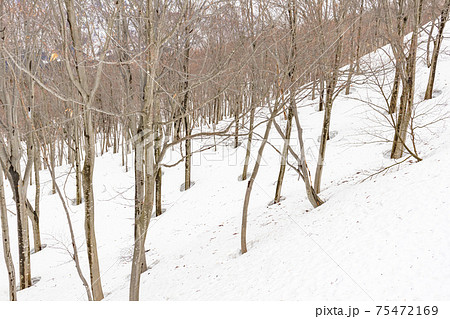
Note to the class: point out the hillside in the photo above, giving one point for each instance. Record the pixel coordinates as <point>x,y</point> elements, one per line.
<point>380,235</point>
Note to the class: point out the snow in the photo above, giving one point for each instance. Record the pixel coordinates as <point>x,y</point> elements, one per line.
<point>381,237</point>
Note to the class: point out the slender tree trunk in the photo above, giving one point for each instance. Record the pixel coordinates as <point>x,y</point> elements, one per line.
<point>139,262</point>
<point>88,192</point>
<point>35,158</point>
<point>407,99</point>
<point>158,177</point>
<point>401,24</point>
<point>395,89</point>
<point>30,212</point>
<point>321,94</point>
<point>292,13</point>
<point>37,199</point>
<point>78,182</point>
<point>313,91</point>
<point>237,111</point>
<point>252,180</point>
<point>284,156</point>
<point>187,128</point>
<point>331,87</point>
<point>158,197</point>
<point>351,69</point>
<point>22,230</point>
<point>249,140</point>
<point>358,38</point>
<point>52,162</point>
<point>437,48</point>
<point>252,93</point>
<point>323,139</point>
<point>6,243</point>
<point>144,206</point>
<point>61,151</point>
<point>187,160</point>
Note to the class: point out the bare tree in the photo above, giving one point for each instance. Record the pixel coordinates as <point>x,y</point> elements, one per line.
<point>292,17</point>
<point>437,46</point>
<point>88,93</point>
<point>5,239</point>
<point>339,12</point>
<point>408,79</point>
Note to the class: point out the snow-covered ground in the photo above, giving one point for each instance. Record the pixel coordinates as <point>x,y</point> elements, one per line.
<point>380,237</point>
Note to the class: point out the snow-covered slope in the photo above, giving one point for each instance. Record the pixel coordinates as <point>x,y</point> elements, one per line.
<point>379,237</point>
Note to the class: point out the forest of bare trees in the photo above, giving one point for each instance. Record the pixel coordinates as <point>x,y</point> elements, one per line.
<point>140,78</point>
